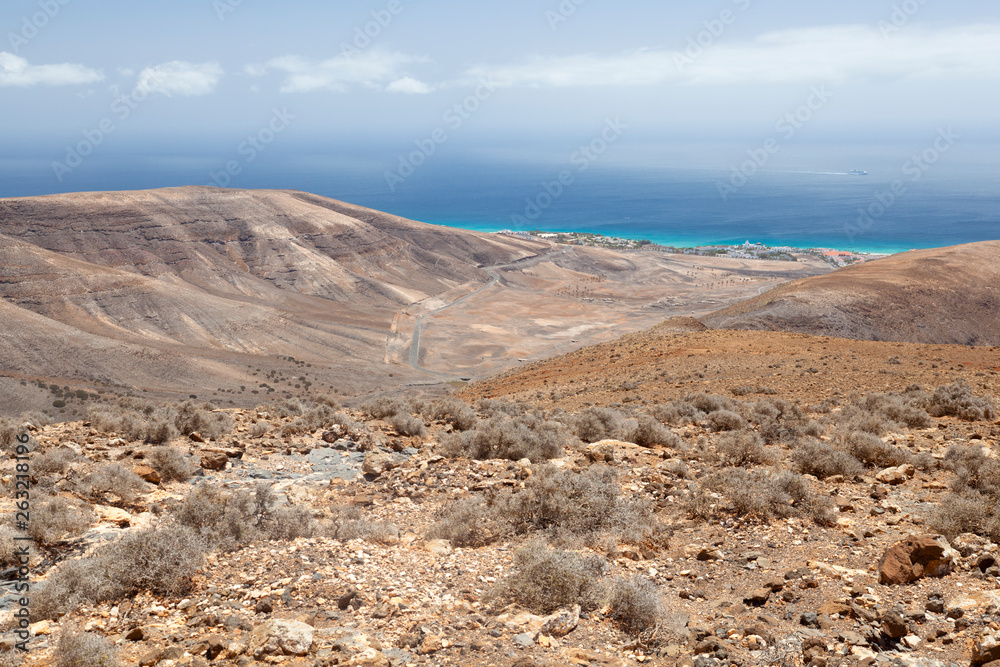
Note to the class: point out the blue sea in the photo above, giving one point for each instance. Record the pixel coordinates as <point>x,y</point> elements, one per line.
<point>683,207</point>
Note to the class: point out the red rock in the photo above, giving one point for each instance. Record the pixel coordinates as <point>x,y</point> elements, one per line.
<point>147,474</point>
<point>212,461</point>
<point>916,557</point>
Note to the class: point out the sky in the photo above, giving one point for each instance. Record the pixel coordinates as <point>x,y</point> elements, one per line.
<point>701,84</point>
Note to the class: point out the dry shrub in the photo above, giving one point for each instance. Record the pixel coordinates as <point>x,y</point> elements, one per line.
<point>813,428</point>
<point>350,524</point>
<point>768,495</point>
<point>677,413</point>
<point>85,650</point>
<point>287,407</point>
<point>822,460</point>
<point>34,418</point>
<point>973,469</point>
<point>406,424</point>
<point>134,419</point>
<point>636,604</point>
<point>468,522</point>
<point>514,438</point>
<point>543,580</point>
<point>879,413</point>
<point>967,511</point>
<point>160,560</point>
<point>54,460</point>
<point>114,479</point>
<point>741,448</point>
<point>558,502</point>
<point>709,403</point>
<point>226,520</point>
<point>203,419</point>
<point>958,400</point>
<point>898,408</point>
<point>973,506</point>
<point>171,463</point>
<point>647,431</point>
<point>746,390</point>
<point>57,518</point>
<point>454,412</point>
<point>385,407</point>
<point>321,415</point>
<point>583,503</point>
<point>260,429</point>
<point>593,424</point>
<point>9,430</point>
<point>872,451</point>
<point>8,547</point>
<point>489,407</point>
<point>725,420</point>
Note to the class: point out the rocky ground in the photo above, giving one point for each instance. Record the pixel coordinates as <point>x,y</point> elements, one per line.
<point>734,589</point>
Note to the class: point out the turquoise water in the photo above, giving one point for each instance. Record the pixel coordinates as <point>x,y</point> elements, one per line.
<point>668,206</point>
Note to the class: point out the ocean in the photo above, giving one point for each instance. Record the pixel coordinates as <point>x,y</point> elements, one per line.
<point>888,211</point>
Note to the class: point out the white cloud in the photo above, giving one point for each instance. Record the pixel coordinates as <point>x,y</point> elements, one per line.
<point>833,54</point>
<point>374,70</point>
<point>409,85</point>
<point>180,78</point>
<point>16,71</point>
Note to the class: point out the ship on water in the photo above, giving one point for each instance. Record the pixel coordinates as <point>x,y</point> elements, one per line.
<point>858,172</point>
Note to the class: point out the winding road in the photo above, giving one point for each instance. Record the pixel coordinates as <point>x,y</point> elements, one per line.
<point>493,273</point>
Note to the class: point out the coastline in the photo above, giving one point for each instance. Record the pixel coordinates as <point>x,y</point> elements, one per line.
<point>700,243</point>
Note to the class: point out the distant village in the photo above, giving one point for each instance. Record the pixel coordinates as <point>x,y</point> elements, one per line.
<point>746,250</point>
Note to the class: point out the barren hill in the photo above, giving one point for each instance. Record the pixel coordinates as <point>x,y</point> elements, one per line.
<point>185,288</point>
<point>234,295</point>
<point>944,295</point>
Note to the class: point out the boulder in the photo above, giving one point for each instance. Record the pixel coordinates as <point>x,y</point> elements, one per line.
<point>968,544</point>
<point>147,474</point>
<point>277,637</point>
<point>897,475</point>
<point>562,622</point>
<point>214,461</point>
<point>438,547</point>
<point>986,649</point>
<point>894,625</point>
<point>757,597</point>
<point>603,451</point>
<point>916,557</point>
<point>196,437</point>
<point>377,462</point>
<point>113,515</point>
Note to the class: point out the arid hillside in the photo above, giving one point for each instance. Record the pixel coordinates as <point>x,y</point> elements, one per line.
<point>944,295</point>
<point>235,295</point>
<point>710,499</point>
<point>680,356</point>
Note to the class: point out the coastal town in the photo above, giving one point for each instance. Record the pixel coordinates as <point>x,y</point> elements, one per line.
<point>747,250</point>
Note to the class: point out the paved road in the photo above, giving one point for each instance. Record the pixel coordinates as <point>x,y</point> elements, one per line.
<point>493,273</point>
